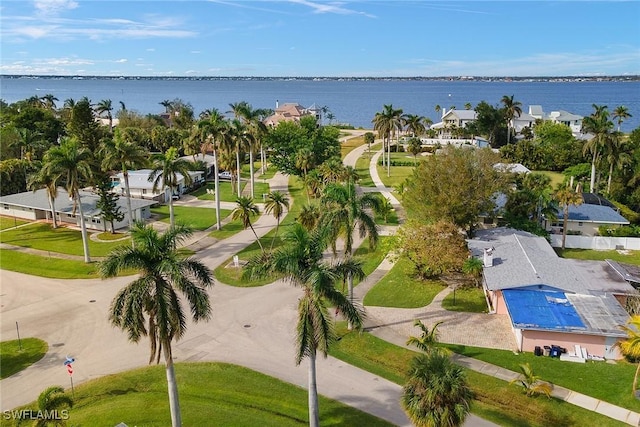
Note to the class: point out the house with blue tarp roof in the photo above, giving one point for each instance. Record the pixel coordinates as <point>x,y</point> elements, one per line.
<point>551,300</point>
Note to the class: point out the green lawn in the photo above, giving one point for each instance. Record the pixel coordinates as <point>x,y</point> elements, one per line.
<point>211,394</point>
<point>55,268</point>
<point>61,240</point>
<point>196,218</point>
<point>6,222</point>
<point>371,258</point>
<point>469,300</point>
<point>226,191</point>
<point>362,167</point>
<point>605,381</point>
<point>350,144</point>
<point>631,257</point>
<point>556,177</point>
<point>398,174</point>
<point>495,400</point>
<point>392,219</point>
<point>398,288</point>
<point>18,355</point>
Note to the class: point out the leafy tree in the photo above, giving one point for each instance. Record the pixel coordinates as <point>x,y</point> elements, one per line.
<point>276,204</point>
<point>300,261</point>
<point>69,163</point>
<point>427,339</point>
<point>151,305</point>
<point>531,382</point>
<point>245,209</point>
<point>566,197</point>
<point>41,122</point>
<point>286,139</point>
<point>415,148</point>
<point>369,138</point>
<point>385,208</point>
<point>436,393</point>
<point>490,123</point>
<point>82,125</point>
<point>305,161</point>
<point>434,249</point>
<point>164,174</point>
<point>630,347</point>
<point>456,186</point>
<point>123,153</point>
<point>53,400</point>
<point>13,176</point>
<point>473,267</point>
<point>108,205</point>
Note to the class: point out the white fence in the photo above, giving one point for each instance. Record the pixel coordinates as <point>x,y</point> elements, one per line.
<point>597,242</point>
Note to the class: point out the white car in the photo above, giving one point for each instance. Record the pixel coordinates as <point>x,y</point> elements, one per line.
<point>224,175</point>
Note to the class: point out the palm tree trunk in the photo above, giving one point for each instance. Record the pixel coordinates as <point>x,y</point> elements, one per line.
<point>564,225</point>
<point>125,173</point>
<point>172,386</point>
<point>52,205</point>
<point>389,157</point>
<point>216,181</point>
<point>172,220</point>
<point>635,381</point>
<point>238,169</point>
<point>83,228</point>
<point>257,238</point>
<point>251,171</point>
<point>592,184</point>
<point>314,418</point>
<point>609,179</point>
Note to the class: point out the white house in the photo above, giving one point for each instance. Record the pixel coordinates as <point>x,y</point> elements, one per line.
<point>34,206</point>
<point>142,188</point>
<point>585,219</point>
<point>453,119</point>
<point>208,159</point>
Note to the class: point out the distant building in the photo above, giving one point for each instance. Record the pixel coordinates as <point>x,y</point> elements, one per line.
<point>291,112</point>
<point>140,187</point>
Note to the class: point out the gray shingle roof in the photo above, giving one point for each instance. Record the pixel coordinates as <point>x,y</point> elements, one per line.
<point>593,213</point>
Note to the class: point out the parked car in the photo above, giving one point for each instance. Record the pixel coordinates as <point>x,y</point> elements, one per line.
<point>224,175</point>
<point>176,197</point>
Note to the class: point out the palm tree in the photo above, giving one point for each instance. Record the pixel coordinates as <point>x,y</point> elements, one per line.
<point>305,160</point>
<point>512,109</point>
<point>436,393</point>
<point>600,126</point>
<point>151,305</point>
<point>49,101</point>
<point>388,123</point>
<point>105,106</point>
<point>309,216</point>
<point>630,347</point>
<point>344,212</point>
<point>369,138</point>
<point>164,174</point>
<point>531,382</point>
<point>473,267</point>
<point>123,153</point>
<point>168,106</point>
<point>42,179</point>
<point>438,108</point>
<point>241,139</point>
<point>567,197</point>
<point>53,400</point>
<point>414,124</point>
<point>415,148</point>
<point>621,113</point>
<point>617,155</point>
<point>216,129</point>
<point>385,209</point>
<point>70,163</point>
<point>467,106</point>
<point>276,204</point>
<point>299,261</point>
<point>245,209</point>
<point>428,338</point>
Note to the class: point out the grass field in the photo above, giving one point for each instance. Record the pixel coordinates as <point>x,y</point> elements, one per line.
<point>397,174</point>
<point>60,240</point>
<point>629,257</point>
<point>398,288</point>
<point>468,300</point>
<point>196,218</point>
<point>556,177</point>
<point>7,222</point>
<point>350,144</point>
<point>495,400</point>
<point>18,355</point>
<point>226,192</point>
<point>211,394</point>
<point>54,268</point>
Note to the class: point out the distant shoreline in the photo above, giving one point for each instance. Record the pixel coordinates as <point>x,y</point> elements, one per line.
<point>548,79</point>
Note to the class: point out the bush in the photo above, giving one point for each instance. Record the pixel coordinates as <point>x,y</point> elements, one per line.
<point>624,231</point>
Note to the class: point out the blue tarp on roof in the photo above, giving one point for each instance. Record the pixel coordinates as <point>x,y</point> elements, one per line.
<point>535,309</point>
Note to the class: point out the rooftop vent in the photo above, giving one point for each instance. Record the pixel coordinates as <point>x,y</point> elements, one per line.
<point>488,257</point>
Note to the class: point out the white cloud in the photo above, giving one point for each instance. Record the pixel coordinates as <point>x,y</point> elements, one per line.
<point>330,7</point>
<point>47,7</point>
<point>151,49</point>
<point>195,51</point>
<point>120,61</point>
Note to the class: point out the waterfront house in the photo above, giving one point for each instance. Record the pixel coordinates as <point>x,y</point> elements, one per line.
<point>291,112</point>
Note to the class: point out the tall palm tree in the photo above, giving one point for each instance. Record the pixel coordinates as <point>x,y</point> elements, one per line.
<point>252,119</point>
<point>344,212</point>
<point>599,125</point>
<point>512,109</point>
<point>103,107</point>
<point>151,305</point>
<point>164,174</point>
<point>123,153</point>
<point>168,106</point>
<point>620,114</point>
<point>388,123</point>
<point>436,393</point>
<point>49,101</point>
<point>616,154</point>
<point>414,124</point>
<point>630,347</point>
<point>245,209</point>
<point>309,216</point>
<point>427,339</point>
<point>305,160</point>
<point>241,139</point>
<point>216,129</point>
<point>276,204</point>
<point>43,179</point>
<point>299,261</point>
<point>53,400</point>
<point>566,197</point>
<point>70,163</point>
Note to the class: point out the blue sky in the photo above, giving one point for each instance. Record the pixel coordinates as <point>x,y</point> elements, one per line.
<point>320,38</point>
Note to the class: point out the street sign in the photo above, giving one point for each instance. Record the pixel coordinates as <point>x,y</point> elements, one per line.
<point>70,369</point>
